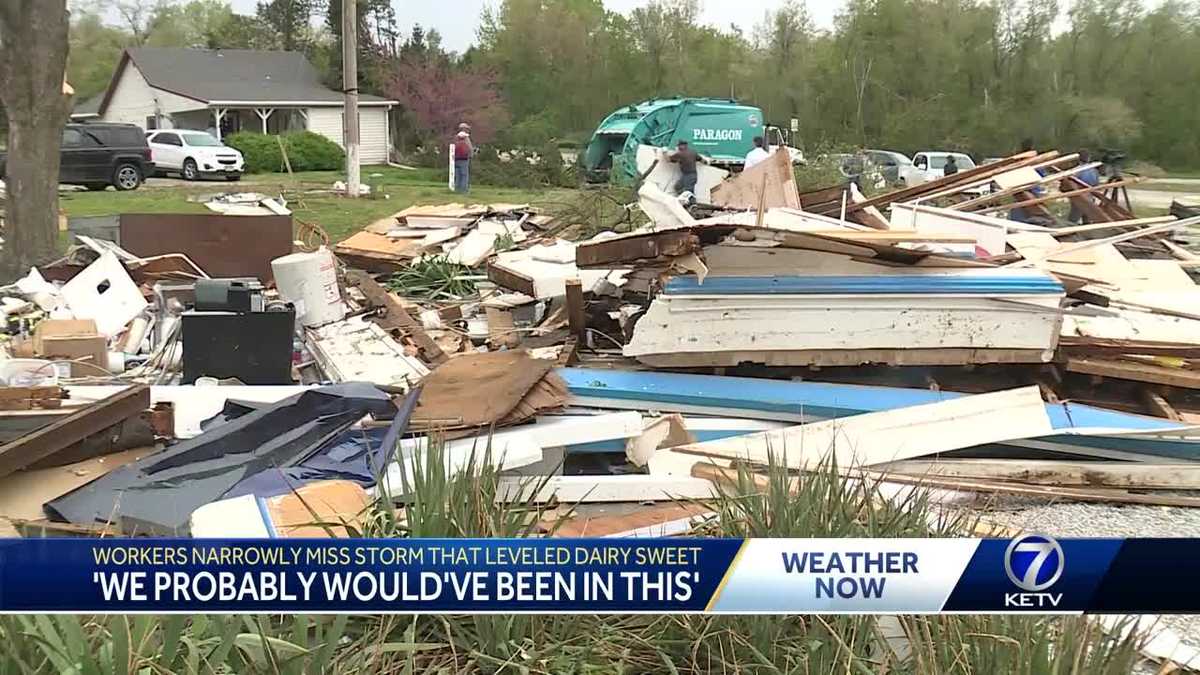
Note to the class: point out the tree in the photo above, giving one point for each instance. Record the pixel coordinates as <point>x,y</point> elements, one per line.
<point>288,20</point>
<point>439,97</point>
<point>33,61</point>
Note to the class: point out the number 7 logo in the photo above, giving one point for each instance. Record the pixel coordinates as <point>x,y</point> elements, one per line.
<point>1024,570</point>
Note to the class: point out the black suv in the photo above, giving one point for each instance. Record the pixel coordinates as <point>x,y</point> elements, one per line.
<point>102,154</point>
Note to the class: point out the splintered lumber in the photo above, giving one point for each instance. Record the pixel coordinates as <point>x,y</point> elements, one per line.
<point>642,247</point>
<point>1125,475</point>
<point>393,317</point>
<point>1136,222</point>
<point>1115,239</point>
<point>768,185</point>
<point>959,180</point>
<point>63,433</point>
<point>1031,164</point>
<point>1138,372</point>
<point>989,198</point>
<point>1051,492</point>
<point>1060,195</point>
<point>891,435</point>
<point>1100,495</point>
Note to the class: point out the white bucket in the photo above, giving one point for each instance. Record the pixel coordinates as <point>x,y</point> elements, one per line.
<point>309,281</point>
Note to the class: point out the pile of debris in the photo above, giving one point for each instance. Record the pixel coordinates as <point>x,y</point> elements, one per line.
<point>918,337</point>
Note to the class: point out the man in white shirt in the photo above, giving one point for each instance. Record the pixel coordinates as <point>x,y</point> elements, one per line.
<point>758,154</point>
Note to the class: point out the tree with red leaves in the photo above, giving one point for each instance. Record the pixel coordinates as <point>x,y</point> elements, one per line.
<point>439,96</point>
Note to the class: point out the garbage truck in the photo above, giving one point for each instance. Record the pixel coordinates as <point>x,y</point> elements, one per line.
<point>720,129</point>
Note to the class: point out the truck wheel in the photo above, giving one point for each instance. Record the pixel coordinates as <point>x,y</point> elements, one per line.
<point>127,177</point>
<point>190,170</point>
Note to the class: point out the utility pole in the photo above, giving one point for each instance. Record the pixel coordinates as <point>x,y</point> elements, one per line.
<point>350,86</point>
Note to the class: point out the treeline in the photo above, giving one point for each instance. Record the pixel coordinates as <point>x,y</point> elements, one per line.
<point>980,76</point>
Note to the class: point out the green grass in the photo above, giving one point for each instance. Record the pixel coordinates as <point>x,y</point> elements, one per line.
<point>308,196</point>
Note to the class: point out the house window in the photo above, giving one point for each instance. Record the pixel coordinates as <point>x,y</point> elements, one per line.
<point>151,122</point>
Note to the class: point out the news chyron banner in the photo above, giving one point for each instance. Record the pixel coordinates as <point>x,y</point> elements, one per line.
<point>1030,574</point>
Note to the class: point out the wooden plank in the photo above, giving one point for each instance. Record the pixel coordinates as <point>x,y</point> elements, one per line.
<point>989,198</point>
<point>1136,222</point>
<point>394,317</point>
<point>1049,492</point>
<point>1059,195</point>
<point>576,312</point>
<point>653,246</point>
<point>1095,495</point>
<point>64,432</point>
<point>1137,372</point>
<point>1115,347</point>
<point>958,180</point>
<point>888,436</point>
<point>1040,161</point>
<point>1158,405</point>
<point>1065,473</point>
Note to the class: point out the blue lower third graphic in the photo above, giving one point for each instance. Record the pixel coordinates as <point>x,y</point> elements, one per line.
<point>1030,574</point>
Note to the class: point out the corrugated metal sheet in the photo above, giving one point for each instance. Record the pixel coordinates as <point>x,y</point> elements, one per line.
<point>973,283</point>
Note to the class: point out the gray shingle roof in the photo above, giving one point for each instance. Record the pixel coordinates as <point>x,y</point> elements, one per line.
<point>235,75</point>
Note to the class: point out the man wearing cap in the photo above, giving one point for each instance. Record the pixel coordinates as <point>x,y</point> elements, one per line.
<point>463,150</point>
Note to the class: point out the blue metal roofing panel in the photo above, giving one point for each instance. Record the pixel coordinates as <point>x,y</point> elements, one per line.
<point>819,399</point>
<point>967,283</point>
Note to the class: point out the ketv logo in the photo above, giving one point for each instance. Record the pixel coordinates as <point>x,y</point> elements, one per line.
<point>1033,563</point>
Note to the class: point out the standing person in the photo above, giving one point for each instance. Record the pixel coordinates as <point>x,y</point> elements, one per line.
<point>687,159</point>
<point>1090,177</point>
<point>756,155</point>
<point>951,166</point>
<point>463,150</point>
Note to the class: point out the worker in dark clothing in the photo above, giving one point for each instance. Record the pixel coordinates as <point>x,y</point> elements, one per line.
<point>1019,214</point>
<point>687,159</point>
<point>951,166</point>
<point>1091,178</point>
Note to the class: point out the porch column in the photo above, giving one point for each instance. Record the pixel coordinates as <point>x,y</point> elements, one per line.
<point>303,113</point>
<point>218,116</point>
<point>264,114</point>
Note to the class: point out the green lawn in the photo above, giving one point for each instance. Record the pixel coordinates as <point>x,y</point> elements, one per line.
<point>308,196</point>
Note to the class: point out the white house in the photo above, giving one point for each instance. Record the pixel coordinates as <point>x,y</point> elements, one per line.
<point>230,90</point>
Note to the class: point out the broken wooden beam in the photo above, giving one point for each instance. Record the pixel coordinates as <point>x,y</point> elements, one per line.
<point>65,432</point>
<point>576,316</point>
<point>394,317</point>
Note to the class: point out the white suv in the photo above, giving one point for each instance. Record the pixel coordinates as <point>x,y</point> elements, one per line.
<point>194,154</point>
<point>927,166</point>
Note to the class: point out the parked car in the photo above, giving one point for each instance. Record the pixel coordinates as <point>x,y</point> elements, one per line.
<point>194,155</point>
<point>891,164</point>
<point>927,166</point>
<point>101,154</point>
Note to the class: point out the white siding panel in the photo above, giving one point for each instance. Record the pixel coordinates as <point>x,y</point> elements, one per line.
<point>133,100</point>
<point>372,131</point>
<point>372,136</point>
<point>327,122</point>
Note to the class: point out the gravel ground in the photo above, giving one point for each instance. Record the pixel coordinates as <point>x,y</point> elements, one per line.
<point>1105,520</point>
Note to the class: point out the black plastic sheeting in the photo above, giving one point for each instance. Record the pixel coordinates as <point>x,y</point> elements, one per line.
<point>303,438</point>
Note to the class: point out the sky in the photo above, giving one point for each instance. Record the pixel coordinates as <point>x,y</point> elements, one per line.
<point>457,20</point>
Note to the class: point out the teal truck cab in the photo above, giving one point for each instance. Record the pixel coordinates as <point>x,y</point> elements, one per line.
<point>720,129</point>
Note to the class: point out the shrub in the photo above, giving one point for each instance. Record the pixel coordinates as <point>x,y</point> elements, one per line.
<point>307,151</point>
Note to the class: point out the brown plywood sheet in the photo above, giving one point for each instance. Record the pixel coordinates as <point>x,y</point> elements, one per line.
<point>475,390</point>
<point>223,246</point>
<point>773,177</point>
